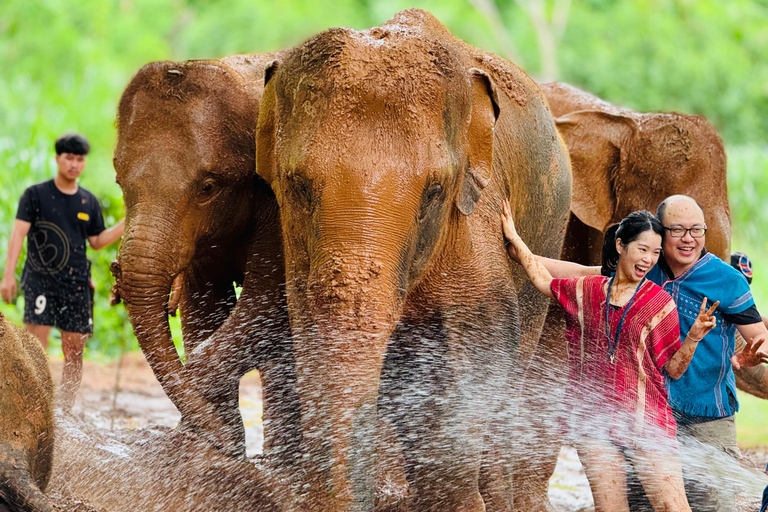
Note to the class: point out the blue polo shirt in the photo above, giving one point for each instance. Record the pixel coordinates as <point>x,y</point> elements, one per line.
<point>704,388</point>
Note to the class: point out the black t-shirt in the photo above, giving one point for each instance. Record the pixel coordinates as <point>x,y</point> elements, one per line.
<point>61,223</point>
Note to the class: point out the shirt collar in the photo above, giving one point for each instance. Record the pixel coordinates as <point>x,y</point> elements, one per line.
<point>668,271</point>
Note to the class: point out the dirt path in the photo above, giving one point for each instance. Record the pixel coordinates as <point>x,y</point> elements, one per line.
<point>136,400</point>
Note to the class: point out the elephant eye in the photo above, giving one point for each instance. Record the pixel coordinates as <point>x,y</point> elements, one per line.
<point>208,189</point>
<point>302,188</point>
<point>434,192</point>
<point>429,197</point>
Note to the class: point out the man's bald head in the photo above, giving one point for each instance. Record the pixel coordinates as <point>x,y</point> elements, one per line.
<point>681,214</point>
<point>679,201</point>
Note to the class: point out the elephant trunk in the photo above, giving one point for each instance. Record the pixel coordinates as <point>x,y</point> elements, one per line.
<point>147,269</point>
<point>351,308</point>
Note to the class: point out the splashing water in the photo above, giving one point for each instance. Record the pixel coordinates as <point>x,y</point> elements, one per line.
<point>105,466</point>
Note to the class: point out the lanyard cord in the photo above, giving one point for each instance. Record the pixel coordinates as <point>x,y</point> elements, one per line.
<point>613,342</point>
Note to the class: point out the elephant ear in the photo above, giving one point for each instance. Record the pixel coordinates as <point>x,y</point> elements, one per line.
<point>599,147</point>
<point>485,112</point>
<point>265,129</point>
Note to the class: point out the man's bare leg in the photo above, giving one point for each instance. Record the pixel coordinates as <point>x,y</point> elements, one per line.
<point>72,345</point>
<point>41,331</point>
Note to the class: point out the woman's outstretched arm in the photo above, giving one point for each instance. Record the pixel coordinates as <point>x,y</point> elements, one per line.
<point>537,272</point>
<point>565,269</point>
<point>559,269</point>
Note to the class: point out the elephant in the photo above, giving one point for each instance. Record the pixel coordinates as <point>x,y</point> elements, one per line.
<point>158,469</point>
<point>195,213</point>
<point>26,429</point>
<point>624,161</point>
<point>389,152</point>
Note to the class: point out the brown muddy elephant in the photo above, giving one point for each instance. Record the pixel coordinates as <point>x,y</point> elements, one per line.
<point>389,151</point>
<point>624,161</point>
<point>26,421</point>
<point>195,212</point>
<point>157,469</point>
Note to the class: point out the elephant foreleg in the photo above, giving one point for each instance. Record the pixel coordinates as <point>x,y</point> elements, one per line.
<point>540,419</point>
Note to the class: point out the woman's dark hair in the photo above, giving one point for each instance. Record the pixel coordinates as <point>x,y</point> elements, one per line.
<point>627,230</point>
<point>72,143</point>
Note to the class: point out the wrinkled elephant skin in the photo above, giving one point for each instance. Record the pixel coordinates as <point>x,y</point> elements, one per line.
<point>624,161</point>
<point>390,151</point>
<point>26,421</point>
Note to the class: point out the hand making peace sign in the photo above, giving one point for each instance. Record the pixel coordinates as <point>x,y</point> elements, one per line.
<point>705,322</point>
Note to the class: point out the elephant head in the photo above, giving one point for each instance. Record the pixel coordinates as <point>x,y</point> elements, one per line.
<point>376,144</point>
<point>624,161</point>
<point>185,161</point>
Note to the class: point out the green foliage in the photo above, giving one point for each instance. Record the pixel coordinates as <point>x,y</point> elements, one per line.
<point>66,63</point>
<point>750,422</point>
<point>748,191</point>
<point>700,58</point>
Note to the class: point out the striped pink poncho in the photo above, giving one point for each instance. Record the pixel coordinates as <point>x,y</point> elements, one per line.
<point>626,399</point>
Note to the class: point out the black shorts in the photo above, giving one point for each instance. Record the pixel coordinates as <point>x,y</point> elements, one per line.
<point>67,308</point>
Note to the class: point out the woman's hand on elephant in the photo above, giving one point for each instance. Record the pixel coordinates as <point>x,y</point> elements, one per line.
<point>705,322</point>
<point>510,233</point>
<point>507,222</point>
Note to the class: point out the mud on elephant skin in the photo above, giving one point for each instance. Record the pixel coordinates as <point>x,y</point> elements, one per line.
<point>195,212</point>
<point>156,469</point>
<point>390,151</point>
<point>26,421</point>
<point>624,161</point>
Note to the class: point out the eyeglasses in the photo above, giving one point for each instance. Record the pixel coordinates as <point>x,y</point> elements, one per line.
<point>679,231</point>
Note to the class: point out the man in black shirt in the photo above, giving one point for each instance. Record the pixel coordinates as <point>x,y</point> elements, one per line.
<point>56,217</point>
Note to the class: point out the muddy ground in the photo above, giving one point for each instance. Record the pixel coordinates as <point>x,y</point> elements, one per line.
<point>125,395</point>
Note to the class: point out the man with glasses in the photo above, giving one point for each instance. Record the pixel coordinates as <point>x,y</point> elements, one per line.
<point>703,400</point>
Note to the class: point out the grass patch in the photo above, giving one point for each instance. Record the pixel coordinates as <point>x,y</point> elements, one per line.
<point>752,421</point>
